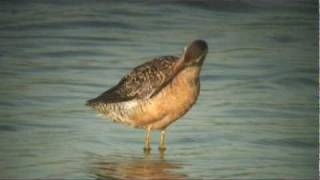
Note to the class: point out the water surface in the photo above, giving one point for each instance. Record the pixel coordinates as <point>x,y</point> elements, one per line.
<point>256,116</point>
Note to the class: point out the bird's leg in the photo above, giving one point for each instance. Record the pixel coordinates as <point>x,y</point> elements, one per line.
<point>147,138</point>
<point>162,145</point>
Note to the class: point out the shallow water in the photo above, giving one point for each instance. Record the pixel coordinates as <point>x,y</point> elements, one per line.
<point>256,116</point>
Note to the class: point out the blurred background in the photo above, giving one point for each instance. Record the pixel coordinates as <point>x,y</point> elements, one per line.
<point>256,117</point>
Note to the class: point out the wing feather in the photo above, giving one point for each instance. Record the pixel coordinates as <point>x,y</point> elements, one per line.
<point>142,82</point>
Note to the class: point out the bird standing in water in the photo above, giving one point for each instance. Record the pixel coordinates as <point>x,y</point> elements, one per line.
<point>156,93</point>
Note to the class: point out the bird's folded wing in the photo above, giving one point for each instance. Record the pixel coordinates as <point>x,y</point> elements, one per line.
<point>142,82</point>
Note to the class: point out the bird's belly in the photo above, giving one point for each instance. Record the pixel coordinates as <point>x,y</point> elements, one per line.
<point>167,106</point>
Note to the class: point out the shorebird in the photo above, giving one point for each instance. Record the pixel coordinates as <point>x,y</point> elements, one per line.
<point>155,94</point>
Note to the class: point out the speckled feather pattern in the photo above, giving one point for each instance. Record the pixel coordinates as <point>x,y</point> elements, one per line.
<point>142,82</point>
<point>156,93</point>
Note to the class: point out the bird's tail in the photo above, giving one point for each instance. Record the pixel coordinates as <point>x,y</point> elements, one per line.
<point>92,102</point>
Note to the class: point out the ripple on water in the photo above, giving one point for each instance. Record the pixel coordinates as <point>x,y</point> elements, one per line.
<point>135,167</point>
<point>256,116</point>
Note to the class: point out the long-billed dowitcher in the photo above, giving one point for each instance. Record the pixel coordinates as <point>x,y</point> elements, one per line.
<point>156,93</point>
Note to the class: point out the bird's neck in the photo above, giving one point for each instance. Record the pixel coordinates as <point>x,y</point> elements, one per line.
<point>190,74</point>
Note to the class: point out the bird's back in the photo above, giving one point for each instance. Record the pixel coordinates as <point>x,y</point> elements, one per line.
<point>142,82</point>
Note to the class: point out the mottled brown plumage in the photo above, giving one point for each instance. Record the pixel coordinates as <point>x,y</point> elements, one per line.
<point>156,93</point>
<point>142,82</point>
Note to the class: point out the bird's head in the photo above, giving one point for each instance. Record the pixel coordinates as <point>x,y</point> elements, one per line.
<point>195,52</point>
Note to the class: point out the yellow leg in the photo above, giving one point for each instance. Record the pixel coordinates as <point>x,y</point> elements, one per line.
<point>162,145</point>
<point>147,138</point>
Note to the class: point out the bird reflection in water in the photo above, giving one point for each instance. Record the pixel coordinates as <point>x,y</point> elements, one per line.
<point>134,168</point>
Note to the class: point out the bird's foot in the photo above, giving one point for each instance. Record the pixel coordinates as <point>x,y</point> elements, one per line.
<point>162,149</point>
<point>147,149</point>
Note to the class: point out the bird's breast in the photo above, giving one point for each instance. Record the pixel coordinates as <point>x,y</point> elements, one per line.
<point>172,102</point>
